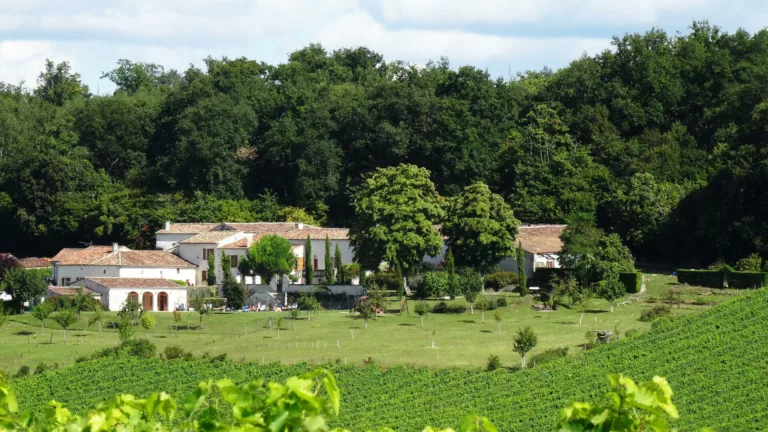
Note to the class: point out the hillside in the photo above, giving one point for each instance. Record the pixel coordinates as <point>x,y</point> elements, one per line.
<point>715,362</point>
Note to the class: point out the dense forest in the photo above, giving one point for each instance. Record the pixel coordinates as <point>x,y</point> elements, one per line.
<point>663,138</point>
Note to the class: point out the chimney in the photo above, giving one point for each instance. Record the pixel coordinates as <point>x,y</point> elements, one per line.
<point>167,224</point>
<point>299,226</point>
<point>114,247</point>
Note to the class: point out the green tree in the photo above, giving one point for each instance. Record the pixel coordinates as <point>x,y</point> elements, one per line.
<point>234,293</point>
<point>57,84</point>
<point>396,209</point>
<point>308,302</point>
<point>42,312</point>
<point>147,322</point>
<point>453,289</point>
<point>498,315</point>
<point>82,302</point>
<point>24,285</point>
<point>399,279</point>
<point>753,262</point>
<point>525,340</point>
<point>522,278</point>
<point>309,268</point>
<point>211,274</point>
<point>65,318</point>
<point>471,285</point>
<point>482,304</point>
<point>432,284</point>
<point>269,257</point>
<point>125,328</point>
<point>97,317</point>
<point>611,289</point>
<point>422,310</point>
<point>330,275</point>
<point>131,309</point>
<point>341,278</point>
<point>198,303</point>
<point>132,77</point>
<point>226,267</point>
<point>585,297</point>
<point>480,228</point>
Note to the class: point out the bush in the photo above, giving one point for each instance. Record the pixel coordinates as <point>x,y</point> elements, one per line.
<point>384,280</point>
<point>631,333</point>
<point>499,280</point>
<point>655,313</point>
<point>752,263</point>
<point>432,284</point>
<point>493,363</point>
<point>501,302</point>
<point>140,348</point>
<point>82,359</point>
<point>422,308</point>
<point>42,367</point>
<point>632,281</point>
<point>746,279</point>
<point>548,356</point>
<point>173,352</point>
<point>23,371</point>
<point>663,322</point>
<point>444,308</point>
<point>705,278</point>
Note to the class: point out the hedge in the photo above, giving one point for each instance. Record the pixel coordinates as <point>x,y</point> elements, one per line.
<point>746,279</point>
<point>543,276</point>
<point>704,278</point>
<point>632,281</point>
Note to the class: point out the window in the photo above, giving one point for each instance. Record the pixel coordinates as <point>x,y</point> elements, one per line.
<point>66,281</point>
<point>105,271</point>
<point>315,264</point>
<point>178,271</point>
<point>233,260</point>
<point>205,276</point>
<point>550,263</point>
<point>207,253</point>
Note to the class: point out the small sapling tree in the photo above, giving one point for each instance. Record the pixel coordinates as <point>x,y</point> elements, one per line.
<point>525,340</point>
<point>147,322</point>
<point>42,312</point>
<point>498,315</point>
<point>65,318</point>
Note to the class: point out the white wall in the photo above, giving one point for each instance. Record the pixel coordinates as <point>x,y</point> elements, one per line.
<point>78,272</point>
<point>114,298</point>
<point>176,273</point>
<point>166,241</point>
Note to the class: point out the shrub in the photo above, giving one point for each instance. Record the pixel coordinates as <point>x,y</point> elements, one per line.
<point>499,280</point>
<point>632,281</point>
<point>422,308</point>
<point>384,280</point>
<point>655,312</point>
<point>173,352</point>
<point>493,363</point>
<point>82,359</point>
<point>631,332</point>
<point>140,348</point>
<point>23,371</point>
<point>548,356</point>
<point>752,262</point>
<point>501,302</point>
<point>663,322</point>
<point>432,284</point>
<point>746,279</point>
<point>444,308</point>
<point>42,367</point>
<point>705,278</point>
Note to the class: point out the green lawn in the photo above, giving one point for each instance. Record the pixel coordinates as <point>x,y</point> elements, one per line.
<point>460,340</point>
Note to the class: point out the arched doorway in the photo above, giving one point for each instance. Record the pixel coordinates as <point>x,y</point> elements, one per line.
<point>162,302</point>
<point>146,301</point>
<point>134,295</point>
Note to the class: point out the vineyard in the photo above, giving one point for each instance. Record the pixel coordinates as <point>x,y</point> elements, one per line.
<point>715,362</point>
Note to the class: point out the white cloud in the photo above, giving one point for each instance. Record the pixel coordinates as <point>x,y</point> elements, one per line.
<point>453,12</point>
<point>22,60</point>
<point>460,46</point>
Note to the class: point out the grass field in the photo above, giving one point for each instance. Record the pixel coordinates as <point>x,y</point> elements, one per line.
<point>715,361</point>
<point>459,340</point>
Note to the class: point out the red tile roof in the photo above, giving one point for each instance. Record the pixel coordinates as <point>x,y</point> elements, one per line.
<point>69,291</point>
<point>210,237</point>
<point>541,238</point>
<point>188,228</point>
<point>103,256</point>
<point>31,263</point>
<point>136,283</point>
<point>240,244</point>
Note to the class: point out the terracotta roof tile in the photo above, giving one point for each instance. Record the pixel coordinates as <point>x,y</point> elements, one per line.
<point>136,283</point>
<point>188,228</point>
<point>240,244</point>
<point>274,227</point>
<point>209,237</point>
<point>69,291</point>
<point>103,255</point>
<point>541,238</point>
<point>31,263</point>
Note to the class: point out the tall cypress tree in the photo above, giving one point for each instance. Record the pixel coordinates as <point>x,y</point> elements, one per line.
<point>309,269</point>
<point>329,276</point>
<point>453,279</point>
<point>211,270</point>
<point>522,282</point>
<point>342,277</point>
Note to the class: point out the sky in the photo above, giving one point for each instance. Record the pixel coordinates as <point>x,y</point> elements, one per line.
<point>502,36</point>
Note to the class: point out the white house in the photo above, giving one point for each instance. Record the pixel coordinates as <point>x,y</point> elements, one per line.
<point>71,265</point>
<point>194,242</point>
<point>541,246</point>
<point>154,294</point>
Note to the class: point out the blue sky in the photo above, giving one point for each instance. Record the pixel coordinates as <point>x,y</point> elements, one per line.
<point>497,35</point>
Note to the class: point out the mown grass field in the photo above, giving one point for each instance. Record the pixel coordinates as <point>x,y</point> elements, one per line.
<point>462,340</point>
<point>715,362</point>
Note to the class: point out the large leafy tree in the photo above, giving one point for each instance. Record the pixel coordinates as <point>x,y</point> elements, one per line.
<point>480,228</point>
<point>24,286</point>
<point>58,84</point>
<point>396,211</point>
<point>271,256</point>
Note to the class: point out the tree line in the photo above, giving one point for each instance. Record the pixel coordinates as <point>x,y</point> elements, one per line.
<point>662,139</point>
